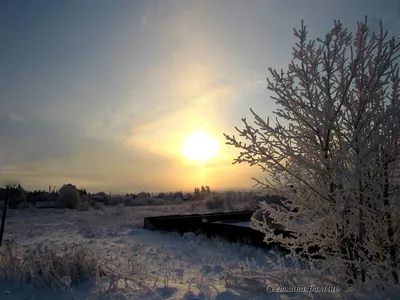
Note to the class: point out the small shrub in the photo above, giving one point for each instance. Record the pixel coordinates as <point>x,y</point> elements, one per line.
<point>130,202</point>
<point>213,202</point>
<point>251,204</point>
<point>42,197</point>
<point>110,201</point>
<point>228,204</point>
<point>98,206</point>
<point>84,206</point>
<point>120,209</point>
<point>85,198</point>
<point>143,200</point>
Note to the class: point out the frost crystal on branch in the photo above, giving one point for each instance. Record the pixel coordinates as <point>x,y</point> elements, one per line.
<point>336,140</point>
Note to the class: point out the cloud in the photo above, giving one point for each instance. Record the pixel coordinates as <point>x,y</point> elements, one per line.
<point>17,118</point>
<point>42,154</point>
<point>260,81</point>
<point>143,20</point>
<point>36,140</point>
<point>12,174</point>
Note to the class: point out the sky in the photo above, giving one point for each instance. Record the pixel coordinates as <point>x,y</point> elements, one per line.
<point>102,94</point>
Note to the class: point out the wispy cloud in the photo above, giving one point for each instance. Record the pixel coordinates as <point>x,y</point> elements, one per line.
<point>260,81</point>
<point>143,20</point>
<point>17,118</point>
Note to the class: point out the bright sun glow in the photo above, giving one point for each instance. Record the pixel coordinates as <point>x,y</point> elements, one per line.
<point>200,146</point>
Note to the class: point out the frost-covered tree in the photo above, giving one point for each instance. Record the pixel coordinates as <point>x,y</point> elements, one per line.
<point>68,197</point>
<point>203,192</point>
<point>208,191</point>
<point>336,140</point>
<point>197,193</point>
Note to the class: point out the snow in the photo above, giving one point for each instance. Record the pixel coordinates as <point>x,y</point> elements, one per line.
<point>45,204</point>
<point>186,267</point>
<point>242,224</point>
<point>115,231</point>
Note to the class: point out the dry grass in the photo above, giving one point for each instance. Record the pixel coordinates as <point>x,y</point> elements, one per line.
<point>48,270</point>
<point>227,201</point>
<point>45,269</point>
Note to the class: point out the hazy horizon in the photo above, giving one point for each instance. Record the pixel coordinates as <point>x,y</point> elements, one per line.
<point>102,94</point>
<point>123,193</point>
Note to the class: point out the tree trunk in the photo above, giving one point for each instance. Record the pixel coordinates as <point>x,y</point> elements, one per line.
<point>389,220</point>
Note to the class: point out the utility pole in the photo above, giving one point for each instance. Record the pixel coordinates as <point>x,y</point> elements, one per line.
<point>3,217</point>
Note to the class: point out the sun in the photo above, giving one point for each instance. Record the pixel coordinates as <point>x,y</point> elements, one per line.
<point>200,147</point>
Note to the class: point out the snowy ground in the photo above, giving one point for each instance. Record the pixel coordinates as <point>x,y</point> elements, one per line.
<point>175,267</point>
<point>115,231</point>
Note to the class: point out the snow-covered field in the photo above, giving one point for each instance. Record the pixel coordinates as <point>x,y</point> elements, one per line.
<point>187,267</point>
<point>150,264</point>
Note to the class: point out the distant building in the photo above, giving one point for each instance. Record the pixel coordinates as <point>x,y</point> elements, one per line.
<point>16,195</point>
